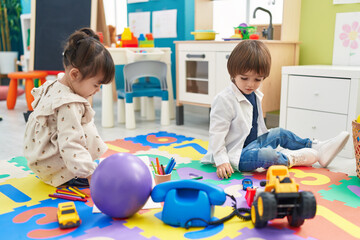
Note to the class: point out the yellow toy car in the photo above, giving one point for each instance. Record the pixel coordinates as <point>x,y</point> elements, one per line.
<point>67,215</point>
<point>281,198</point>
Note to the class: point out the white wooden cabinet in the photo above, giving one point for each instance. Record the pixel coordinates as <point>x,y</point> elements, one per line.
<point>198,82</point>
<point>222,75</point>
<point>201,72</point>
<point>320,101</point>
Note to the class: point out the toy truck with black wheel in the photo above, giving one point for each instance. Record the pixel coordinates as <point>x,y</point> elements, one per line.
<point>281,198</point>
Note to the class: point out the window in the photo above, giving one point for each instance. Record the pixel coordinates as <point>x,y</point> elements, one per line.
<point>116,14</point>
<point>67,211</point>
<point>228,14</point>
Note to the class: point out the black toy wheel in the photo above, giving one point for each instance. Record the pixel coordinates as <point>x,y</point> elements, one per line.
<point>307,204</point>
<point>255,218</point>
<point>267,206</point>
<point>294,219</point>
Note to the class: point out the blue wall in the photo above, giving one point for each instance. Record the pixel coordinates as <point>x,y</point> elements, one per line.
<point>185,23</point>
<point>26,6</point>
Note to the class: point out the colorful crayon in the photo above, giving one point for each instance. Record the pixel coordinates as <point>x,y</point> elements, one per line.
<point>63,196</point>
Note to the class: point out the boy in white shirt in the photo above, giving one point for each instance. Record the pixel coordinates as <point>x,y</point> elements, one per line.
<point>239,138</point>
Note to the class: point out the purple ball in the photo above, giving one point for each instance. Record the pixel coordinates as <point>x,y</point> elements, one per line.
<point>121,185</point>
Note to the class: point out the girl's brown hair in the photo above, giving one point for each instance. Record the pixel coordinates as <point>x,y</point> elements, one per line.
<point>249,55</point>
<point>85,52</point>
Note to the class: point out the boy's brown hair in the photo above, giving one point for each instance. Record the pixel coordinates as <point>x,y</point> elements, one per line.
<point>249,55</point>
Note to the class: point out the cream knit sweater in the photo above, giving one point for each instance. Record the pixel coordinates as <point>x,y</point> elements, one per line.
<point>61,140</point>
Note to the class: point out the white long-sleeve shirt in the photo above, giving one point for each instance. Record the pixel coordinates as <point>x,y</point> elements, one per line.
<point>230,124</point>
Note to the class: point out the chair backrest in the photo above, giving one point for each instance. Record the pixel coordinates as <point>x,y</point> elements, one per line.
<point>135,70</point>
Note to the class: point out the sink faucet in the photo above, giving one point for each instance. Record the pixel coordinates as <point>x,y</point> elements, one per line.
<point>268,33</point>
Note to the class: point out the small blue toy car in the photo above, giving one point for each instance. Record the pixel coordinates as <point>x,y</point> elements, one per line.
<point>247,182</point>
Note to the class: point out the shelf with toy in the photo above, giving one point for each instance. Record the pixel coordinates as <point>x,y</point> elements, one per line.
<point>243,31</point>
<point>127,39</point>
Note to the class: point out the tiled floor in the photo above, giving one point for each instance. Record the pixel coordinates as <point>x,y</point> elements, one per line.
<point>195,125</point>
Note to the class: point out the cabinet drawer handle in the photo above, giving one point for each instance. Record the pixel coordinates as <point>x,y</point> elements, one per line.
<point>316,93</point>
<point>227,56</point>
<point>313,127</point>
<point>195,55</point>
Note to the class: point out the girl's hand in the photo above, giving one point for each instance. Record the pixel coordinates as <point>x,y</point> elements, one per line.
<point>224,170</point>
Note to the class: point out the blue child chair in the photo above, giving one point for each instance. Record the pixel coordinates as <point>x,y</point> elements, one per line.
<point>132,88</point>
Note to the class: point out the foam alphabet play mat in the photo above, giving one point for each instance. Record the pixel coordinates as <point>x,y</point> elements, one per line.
<point>27,211</point>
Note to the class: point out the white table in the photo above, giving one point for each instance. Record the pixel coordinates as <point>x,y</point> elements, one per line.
<point>120,58</point>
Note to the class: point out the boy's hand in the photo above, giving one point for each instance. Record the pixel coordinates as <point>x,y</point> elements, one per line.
<point>224,170</point>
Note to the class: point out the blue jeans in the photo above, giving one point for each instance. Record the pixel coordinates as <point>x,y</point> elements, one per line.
<point>261,152</point>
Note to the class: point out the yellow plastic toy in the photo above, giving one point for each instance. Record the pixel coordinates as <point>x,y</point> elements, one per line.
<point>237,34</point>
<point>281,198</point>
<point>275,177</point>
<point>358,118</point>
<point>126,35</point>
<point>128,39</point>
<point>67,215</point>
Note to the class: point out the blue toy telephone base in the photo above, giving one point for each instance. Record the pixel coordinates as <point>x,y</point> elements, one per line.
<point>188,199</point>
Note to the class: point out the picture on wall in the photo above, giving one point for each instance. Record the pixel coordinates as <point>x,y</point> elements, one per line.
<point>347,39</point>
<point>164,23</point>
<point>139,22</point>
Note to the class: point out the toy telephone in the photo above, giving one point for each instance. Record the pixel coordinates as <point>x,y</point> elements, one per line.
<point>188,199</point>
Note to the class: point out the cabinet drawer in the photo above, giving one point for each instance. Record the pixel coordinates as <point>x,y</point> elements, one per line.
<point>316,93</point>
<point>314,124</point>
